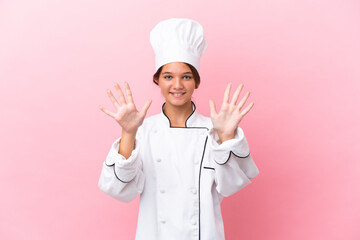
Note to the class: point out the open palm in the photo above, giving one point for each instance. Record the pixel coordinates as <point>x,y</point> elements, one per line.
<point>228,118</point>
<point>129,118</point>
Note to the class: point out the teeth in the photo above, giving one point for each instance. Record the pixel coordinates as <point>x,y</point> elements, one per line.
<point>177,94</point>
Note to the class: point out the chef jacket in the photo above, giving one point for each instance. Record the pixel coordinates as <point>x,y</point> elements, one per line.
<point>181,174</point>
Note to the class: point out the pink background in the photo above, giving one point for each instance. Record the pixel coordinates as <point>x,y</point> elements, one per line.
<point>299,59</point>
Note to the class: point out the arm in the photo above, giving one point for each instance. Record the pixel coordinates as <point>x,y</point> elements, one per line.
<point>127,144</point>
<point>121,176</point>
<point>229,149</point>
<point>233,163</point>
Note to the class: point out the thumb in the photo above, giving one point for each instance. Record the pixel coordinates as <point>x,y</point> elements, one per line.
<point>145,108</point>
<point>212,108</point>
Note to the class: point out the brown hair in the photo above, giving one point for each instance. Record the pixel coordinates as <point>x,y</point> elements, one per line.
<point>193,70</point>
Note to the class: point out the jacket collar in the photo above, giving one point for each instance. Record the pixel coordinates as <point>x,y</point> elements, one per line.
<point>189,121</point>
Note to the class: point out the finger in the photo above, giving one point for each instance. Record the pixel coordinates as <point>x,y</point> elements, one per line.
<point>145,108</point>
<point>128,93</point>
<point>106,111</point>
<point>243,100</point>
<point>212,108</point>
<point>236,94</point>
<point>227,93</point>
<point>113,99</point>
<point>120,93</point>
<point>247,109</point>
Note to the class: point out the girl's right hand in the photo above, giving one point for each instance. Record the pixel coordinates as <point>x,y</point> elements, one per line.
<point>129,118</point>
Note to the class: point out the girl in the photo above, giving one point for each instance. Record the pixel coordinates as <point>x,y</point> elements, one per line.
<point>180,162</point>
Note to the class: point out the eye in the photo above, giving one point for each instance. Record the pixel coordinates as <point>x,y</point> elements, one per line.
<point>187,77</point>
<point>168,77</point>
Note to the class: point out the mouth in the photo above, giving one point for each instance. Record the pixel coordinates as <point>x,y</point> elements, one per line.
<point>177,94</point>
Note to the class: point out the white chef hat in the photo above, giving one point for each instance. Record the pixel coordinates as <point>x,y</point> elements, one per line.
<point>178,40</point>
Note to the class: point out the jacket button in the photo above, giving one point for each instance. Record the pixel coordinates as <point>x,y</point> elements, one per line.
<point>193,222</point>
<point>194,191</point>
<point>162,190</point>
<point>158,160</point>
<point>163,221</point>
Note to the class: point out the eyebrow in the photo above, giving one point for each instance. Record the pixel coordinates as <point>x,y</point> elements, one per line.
<point>171,73</point>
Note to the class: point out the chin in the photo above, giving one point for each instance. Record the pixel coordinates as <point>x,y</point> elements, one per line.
<point>178,103</point>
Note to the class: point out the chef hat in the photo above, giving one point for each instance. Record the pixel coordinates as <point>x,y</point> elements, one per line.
<point>178,40</point>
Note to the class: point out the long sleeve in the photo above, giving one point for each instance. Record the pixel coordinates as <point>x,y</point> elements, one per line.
<point>121,178</point>
<point>234,166</point>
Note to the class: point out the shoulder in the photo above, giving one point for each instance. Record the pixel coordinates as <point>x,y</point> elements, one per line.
<point>150,122</point>
<point>202,121</point>
<point>152,119</point>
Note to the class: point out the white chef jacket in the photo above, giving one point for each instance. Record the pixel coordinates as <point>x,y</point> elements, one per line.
<point>181,174</point>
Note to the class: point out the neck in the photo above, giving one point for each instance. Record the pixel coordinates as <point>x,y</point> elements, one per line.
<point>178,114</point>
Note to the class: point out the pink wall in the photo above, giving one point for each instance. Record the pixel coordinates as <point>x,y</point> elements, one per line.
<point>300,60</point>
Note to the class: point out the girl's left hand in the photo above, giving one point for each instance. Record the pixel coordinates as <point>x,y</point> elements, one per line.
<point>226,121</point>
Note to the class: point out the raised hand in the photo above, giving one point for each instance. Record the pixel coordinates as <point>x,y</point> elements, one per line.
<point>226,121</point>
<point>126,113</point>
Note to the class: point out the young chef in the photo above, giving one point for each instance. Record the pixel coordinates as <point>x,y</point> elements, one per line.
<point>180,162</point>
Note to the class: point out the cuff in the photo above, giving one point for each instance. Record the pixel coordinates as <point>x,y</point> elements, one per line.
<point>222,151</point>
<point>124,169</point>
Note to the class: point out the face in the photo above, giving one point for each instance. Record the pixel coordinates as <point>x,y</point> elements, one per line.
<point>177,83</point>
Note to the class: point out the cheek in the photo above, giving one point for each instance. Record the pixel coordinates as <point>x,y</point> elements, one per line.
<point>163,87</point>
<point>191,86</point>
<point>192,91</point>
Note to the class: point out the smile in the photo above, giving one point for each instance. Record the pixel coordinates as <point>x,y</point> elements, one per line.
<point>177,94</point>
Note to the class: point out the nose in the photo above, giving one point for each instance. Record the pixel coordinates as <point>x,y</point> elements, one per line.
<point>178,83</point>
